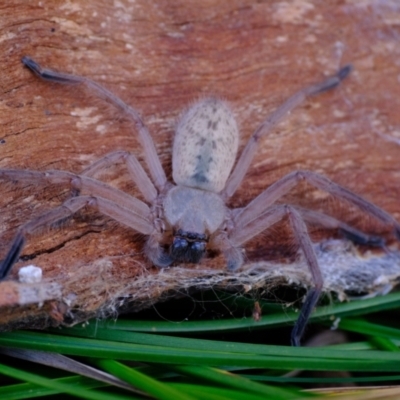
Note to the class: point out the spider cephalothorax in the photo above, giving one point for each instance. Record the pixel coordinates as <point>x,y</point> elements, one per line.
<point>185,218</point>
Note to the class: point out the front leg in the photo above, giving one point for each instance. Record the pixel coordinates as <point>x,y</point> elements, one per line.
<point>77,183</point>
<point>303,239</point>
<point>229,245</point>
<point>150,153</point>
<point>68,208</point>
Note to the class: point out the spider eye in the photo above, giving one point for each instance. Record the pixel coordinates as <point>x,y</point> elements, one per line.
<point>188,246</point>
<point>196,252</point>
<point>179,248</point>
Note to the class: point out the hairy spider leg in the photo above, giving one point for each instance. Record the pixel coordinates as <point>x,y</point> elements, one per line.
<point>247,155</point>
<point>260,213</point>
<point>135,169</point>
<point>150,153</point>
<point>281,187</point>
<point>326,221</point>
<point>108,200</point>
<point>302,237</point>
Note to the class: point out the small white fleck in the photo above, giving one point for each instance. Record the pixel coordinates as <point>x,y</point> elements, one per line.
<point>69,299</point>
<point>101,129</point>
<point>381,280</point>
<point>335,324</point>
<point>83,112</point>
<point>339,114</point>
<point>28,200</point>
<point>7,36</point>
<point>30,274</point>
<point>176,35</point>
<point>310,39</point>
<point>281,39</point>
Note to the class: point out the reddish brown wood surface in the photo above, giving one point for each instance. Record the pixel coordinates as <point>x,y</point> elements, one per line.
<point>160,56</point>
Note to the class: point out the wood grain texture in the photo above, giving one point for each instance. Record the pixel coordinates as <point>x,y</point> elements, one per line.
<point>159,57</point>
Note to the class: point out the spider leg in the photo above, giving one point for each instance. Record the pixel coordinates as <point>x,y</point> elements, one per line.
<point>242,234</point>
<point>314,293</point>
<point>136,171</point>
<point>278,189</point>
<point>232,253</point>
<point>245,159</point>
<point>12,255</point>
<point>260,214</point>
<point>326,221</point>
<point>68,208</point>
<point>150,152</point>
<point>88,185</point>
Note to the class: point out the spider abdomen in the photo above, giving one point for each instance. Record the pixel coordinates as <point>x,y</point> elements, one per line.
<point>205,146</point>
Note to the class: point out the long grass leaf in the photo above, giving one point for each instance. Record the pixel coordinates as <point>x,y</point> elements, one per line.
<point>59,386</point>
<point>149,385</point>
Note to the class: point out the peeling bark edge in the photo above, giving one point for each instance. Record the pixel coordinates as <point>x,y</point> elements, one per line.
<point>345,272</point>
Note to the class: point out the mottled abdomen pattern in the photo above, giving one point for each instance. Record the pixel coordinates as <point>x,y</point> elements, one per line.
<point>205,146</point>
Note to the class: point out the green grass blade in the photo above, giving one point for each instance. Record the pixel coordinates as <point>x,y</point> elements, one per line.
<point>217,346</point>
<point>238,382</point>
<point>220,393</point>
<point>318,380</point>
<point>294,359</point>
<point>149,385</point>
<point>59,386</point>
<point>30,390</point>
<point>383,343</point>
<point>370,329</point>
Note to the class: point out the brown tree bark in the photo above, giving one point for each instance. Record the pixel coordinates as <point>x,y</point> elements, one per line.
<point>159,57</point>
